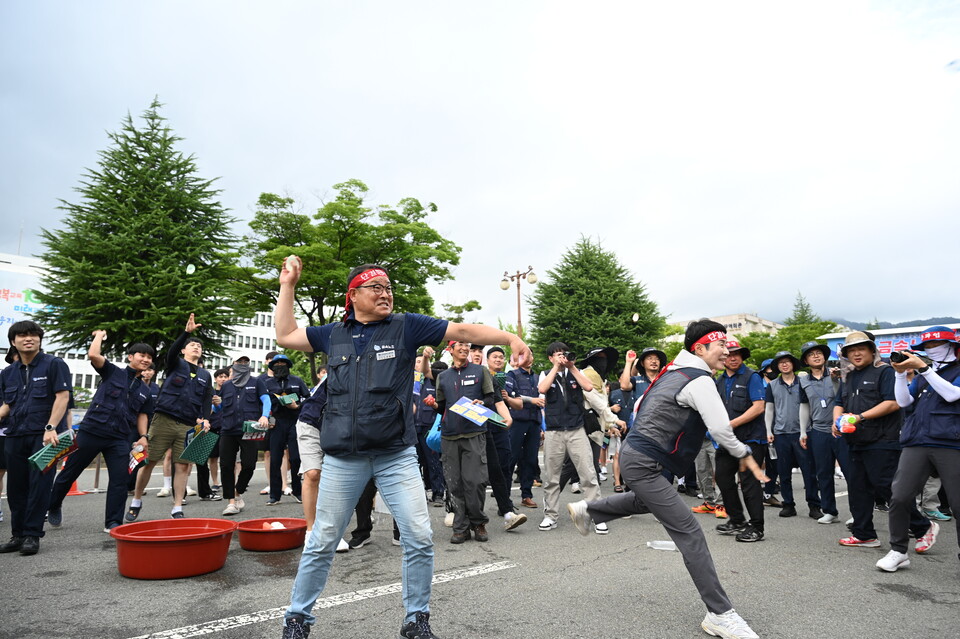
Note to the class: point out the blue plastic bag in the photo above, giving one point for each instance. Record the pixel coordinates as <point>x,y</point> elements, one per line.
<point>433,437</point>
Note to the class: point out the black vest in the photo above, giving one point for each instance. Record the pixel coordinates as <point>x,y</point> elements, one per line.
<point>525,385</point>
<point>861,392</point>
<point>181,395</point>
<point>738,403</point>
<point>249,406</point>
<point>370,395</point>
<point>456,383</point>
<point>425,414</point>
<point>290,385</point>
<point>115,406</point>
<point>30,405</point>
<point>311,412</point>
<point>227,420</point>
<point>933,420</point>
<point>564,409</point>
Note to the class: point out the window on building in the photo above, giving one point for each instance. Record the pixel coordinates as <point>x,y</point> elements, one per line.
<point>78,380</point>
<point>88,381</point>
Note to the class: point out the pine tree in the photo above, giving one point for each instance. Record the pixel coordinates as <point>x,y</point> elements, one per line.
<point>146,244</point>
<point>589,300</point>
<point>802,312</point>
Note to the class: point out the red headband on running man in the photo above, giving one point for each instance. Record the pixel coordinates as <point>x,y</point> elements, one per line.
<point>709,338</point>
<point>365,276</point>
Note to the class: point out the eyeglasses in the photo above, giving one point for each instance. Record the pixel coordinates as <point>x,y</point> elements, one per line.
<point>378,288</point>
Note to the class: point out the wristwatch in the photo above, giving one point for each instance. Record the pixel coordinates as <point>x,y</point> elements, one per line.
<point>49,427</point>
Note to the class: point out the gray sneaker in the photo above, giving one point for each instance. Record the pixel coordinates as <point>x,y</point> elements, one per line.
<point>231,509</point>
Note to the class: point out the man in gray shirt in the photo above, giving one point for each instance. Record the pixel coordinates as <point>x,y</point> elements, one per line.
<point>786,408</point>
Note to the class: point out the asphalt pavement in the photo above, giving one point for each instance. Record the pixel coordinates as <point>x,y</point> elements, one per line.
<point>525,584</point>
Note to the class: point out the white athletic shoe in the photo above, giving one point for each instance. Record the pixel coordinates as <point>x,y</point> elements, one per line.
<point>578,513</point>
<point>575,488</point>
<point>600,529</point>
<point>729,625</point>
<point>448,520</point>
<point>548,523</point>
<point>343,546</point>
<point>191,492</point>
<point>231,509</point>
<point>893,561</point>
<point>239,502</point>
<point>828,519</point>
<point>163,492</point>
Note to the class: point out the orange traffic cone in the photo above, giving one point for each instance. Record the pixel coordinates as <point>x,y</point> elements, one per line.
<point>74,489</point>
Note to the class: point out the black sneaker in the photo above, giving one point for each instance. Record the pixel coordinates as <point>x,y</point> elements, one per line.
<point>731,527</point>
<point>788,510</point>
<point>211,497</point>
<point>815,513</point>
<point>55,517</point>
<point>750,535</point>
<point>178,515</point>
<point>359,542</point>
<point>295,628</point>
<point>132,513</point>
<point>419,629</point>
<point>15,544</point>
<point>31,546</point>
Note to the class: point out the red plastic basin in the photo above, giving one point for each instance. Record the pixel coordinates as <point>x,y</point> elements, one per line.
<point>172,548</point>
<point>253,536</point>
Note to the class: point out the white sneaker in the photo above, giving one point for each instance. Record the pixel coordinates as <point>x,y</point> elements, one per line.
<point>893,561</point>
<point>548,523</point>
<point>343,546</point>
<point>729,625</point>
<point>575,488</point>
<point>448,520</point>
<point>828,519</point>
<point>578,513</point>
<point>512,520</point>
<point>239,502</point>
<point>287,491</point>
<point>849,521</point>
<point>600,529</point>
<point>191,492</point>
<point>163,492</point>
<point>603,475</point>
<point>231,509</point>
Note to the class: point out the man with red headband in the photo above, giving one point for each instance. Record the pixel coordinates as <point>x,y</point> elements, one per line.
<point>677,410</point>
<point>368,430</point>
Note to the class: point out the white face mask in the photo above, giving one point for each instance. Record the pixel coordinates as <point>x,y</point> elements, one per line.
<point>942,353</point>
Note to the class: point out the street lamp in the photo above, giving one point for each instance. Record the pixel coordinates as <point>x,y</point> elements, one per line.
<point>528,275</point>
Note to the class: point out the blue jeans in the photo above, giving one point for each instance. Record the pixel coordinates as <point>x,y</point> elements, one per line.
<point>790,454</point>
<point>342,480</point>
<point>826,450</point>
<point>524,446</point>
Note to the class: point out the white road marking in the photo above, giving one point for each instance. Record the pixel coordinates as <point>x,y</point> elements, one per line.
<point>240,621</point>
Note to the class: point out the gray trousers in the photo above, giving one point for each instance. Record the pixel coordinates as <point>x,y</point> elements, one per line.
<point>706,464</point>
<point>652,493</point>
<point>557,444</point>
<point>916,464</point>
<point>465,469</point>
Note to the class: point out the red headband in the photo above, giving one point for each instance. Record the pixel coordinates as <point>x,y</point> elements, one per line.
<point>365,276</point>
<point>932,336</point>
<point>709,338</point>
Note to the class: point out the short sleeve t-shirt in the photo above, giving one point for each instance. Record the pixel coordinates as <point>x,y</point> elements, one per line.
<point>421,330</point>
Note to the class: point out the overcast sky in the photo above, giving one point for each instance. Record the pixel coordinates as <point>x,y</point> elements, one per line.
<point>730,153</point>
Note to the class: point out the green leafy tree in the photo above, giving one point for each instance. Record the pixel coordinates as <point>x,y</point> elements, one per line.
<point>590,300</point>
<point>874,325</point>
<point>790,338</point>
<point>146,244</point>
<point>344,233</point>
<point>457,312</point>
<point>802,313</point>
